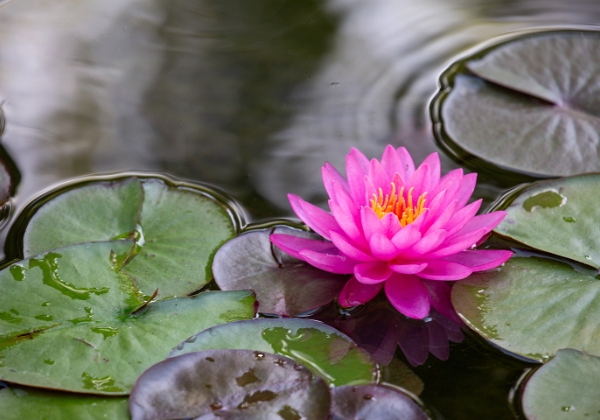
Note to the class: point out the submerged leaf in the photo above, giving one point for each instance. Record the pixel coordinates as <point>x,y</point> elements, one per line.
<point>229,384</point>
<point>526,95</point>
<point>283,284</point>
<point>321,348</point>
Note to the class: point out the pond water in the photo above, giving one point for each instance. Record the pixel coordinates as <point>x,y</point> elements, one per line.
<point>253,96</point>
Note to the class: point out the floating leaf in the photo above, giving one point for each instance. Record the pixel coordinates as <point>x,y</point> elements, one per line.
<point>229,384</point>
<point>526,95</point>
<point>373,402</point>
<point>559,217</point>
<point>321,348</point>
<point>68,322</point>
<point>18,403</point>
<point>283,284</point>
<point>176,229</point>
<point>564,388</point>
<point>533,307</point>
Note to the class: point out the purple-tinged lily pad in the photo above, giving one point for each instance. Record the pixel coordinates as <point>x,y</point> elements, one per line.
<point>283,285</point>
<point>324,350</point>
<point>564,388</point>
<point>229,384</point>
<point>538,94</point>
<point>374,402</point>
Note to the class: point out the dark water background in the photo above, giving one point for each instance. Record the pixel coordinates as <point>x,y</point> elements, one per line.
<point>252,96</point>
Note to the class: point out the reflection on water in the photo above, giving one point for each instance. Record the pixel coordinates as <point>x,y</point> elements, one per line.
<point>251,95</point>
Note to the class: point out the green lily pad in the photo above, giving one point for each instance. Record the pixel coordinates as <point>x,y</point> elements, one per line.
<point>283,285</point>
<point>564,388</point>
<point>559,217</point>
<point>70,320</point>
<point>374,402</point>
<point>525,95</point>
<point>176,229</point>
<point>533,307</point>
<point>325,351</point>
<point>18,403</point>
<point>229,384</point>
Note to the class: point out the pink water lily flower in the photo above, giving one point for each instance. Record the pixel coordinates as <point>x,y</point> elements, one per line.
<point>396,227</point>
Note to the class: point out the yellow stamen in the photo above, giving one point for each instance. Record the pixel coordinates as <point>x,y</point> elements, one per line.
<point>396,203</point>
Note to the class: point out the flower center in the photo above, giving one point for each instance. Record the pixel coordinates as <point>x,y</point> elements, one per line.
<point>396,203</point>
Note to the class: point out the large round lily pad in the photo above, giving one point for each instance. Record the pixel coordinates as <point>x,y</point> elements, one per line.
<point>526,95</point>
<point>18,403</point>
<point>533,307</point>
<point>322,349</point>
<point>70,319</point>
<point>229,384</point>
<point>283,285</point>
<point>559,217</point>
<point>176,229</point>
<point>564,388</point>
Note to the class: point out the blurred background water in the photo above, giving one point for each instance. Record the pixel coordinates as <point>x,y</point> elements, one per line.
<point>252,96</point>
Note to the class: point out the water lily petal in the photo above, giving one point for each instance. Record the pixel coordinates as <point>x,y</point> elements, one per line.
<point>408,268</point>
<point>391,162</point>
<point>480,259</point>
<point>462,217</point>
<point>432,240</point>
<point>467,186</point>
<point>348,224</point>
<point>451,182</point>
<point>439,296</point>
<point>332,179</point>
<point>357,166</point>
<point>339,264</point>
<point>406,237</point>
<point>390,224</point>
<point>486,221</point>
<point>351,250</point>
<point>407,162</point>
<point>419,181</point>
<point>408,295</point>
<point>378,176</point>
<point>371,273</point>
<point>382,248</point>
<point>444,270</point>
<point>436,207</point>
<point>294,244</point>
<point>317,219</point>
<point>371,223</point>
<point>356,293</point>
<point>442,220</point>
<point>457,243</point>
<point>433,161</point>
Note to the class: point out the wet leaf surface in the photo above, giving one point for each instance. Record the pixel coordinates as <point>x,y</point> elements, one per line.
<point>176,230</point>
<point>324,350</point>
<point>527,95</point>
<point>533,307</point>
<point>18,403</point>
<point>229,384</point>
<point>283,284</point>
<point>559,217</point>
<point>66,320</point>
<point>564,388</point>
<point>374,402</point>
